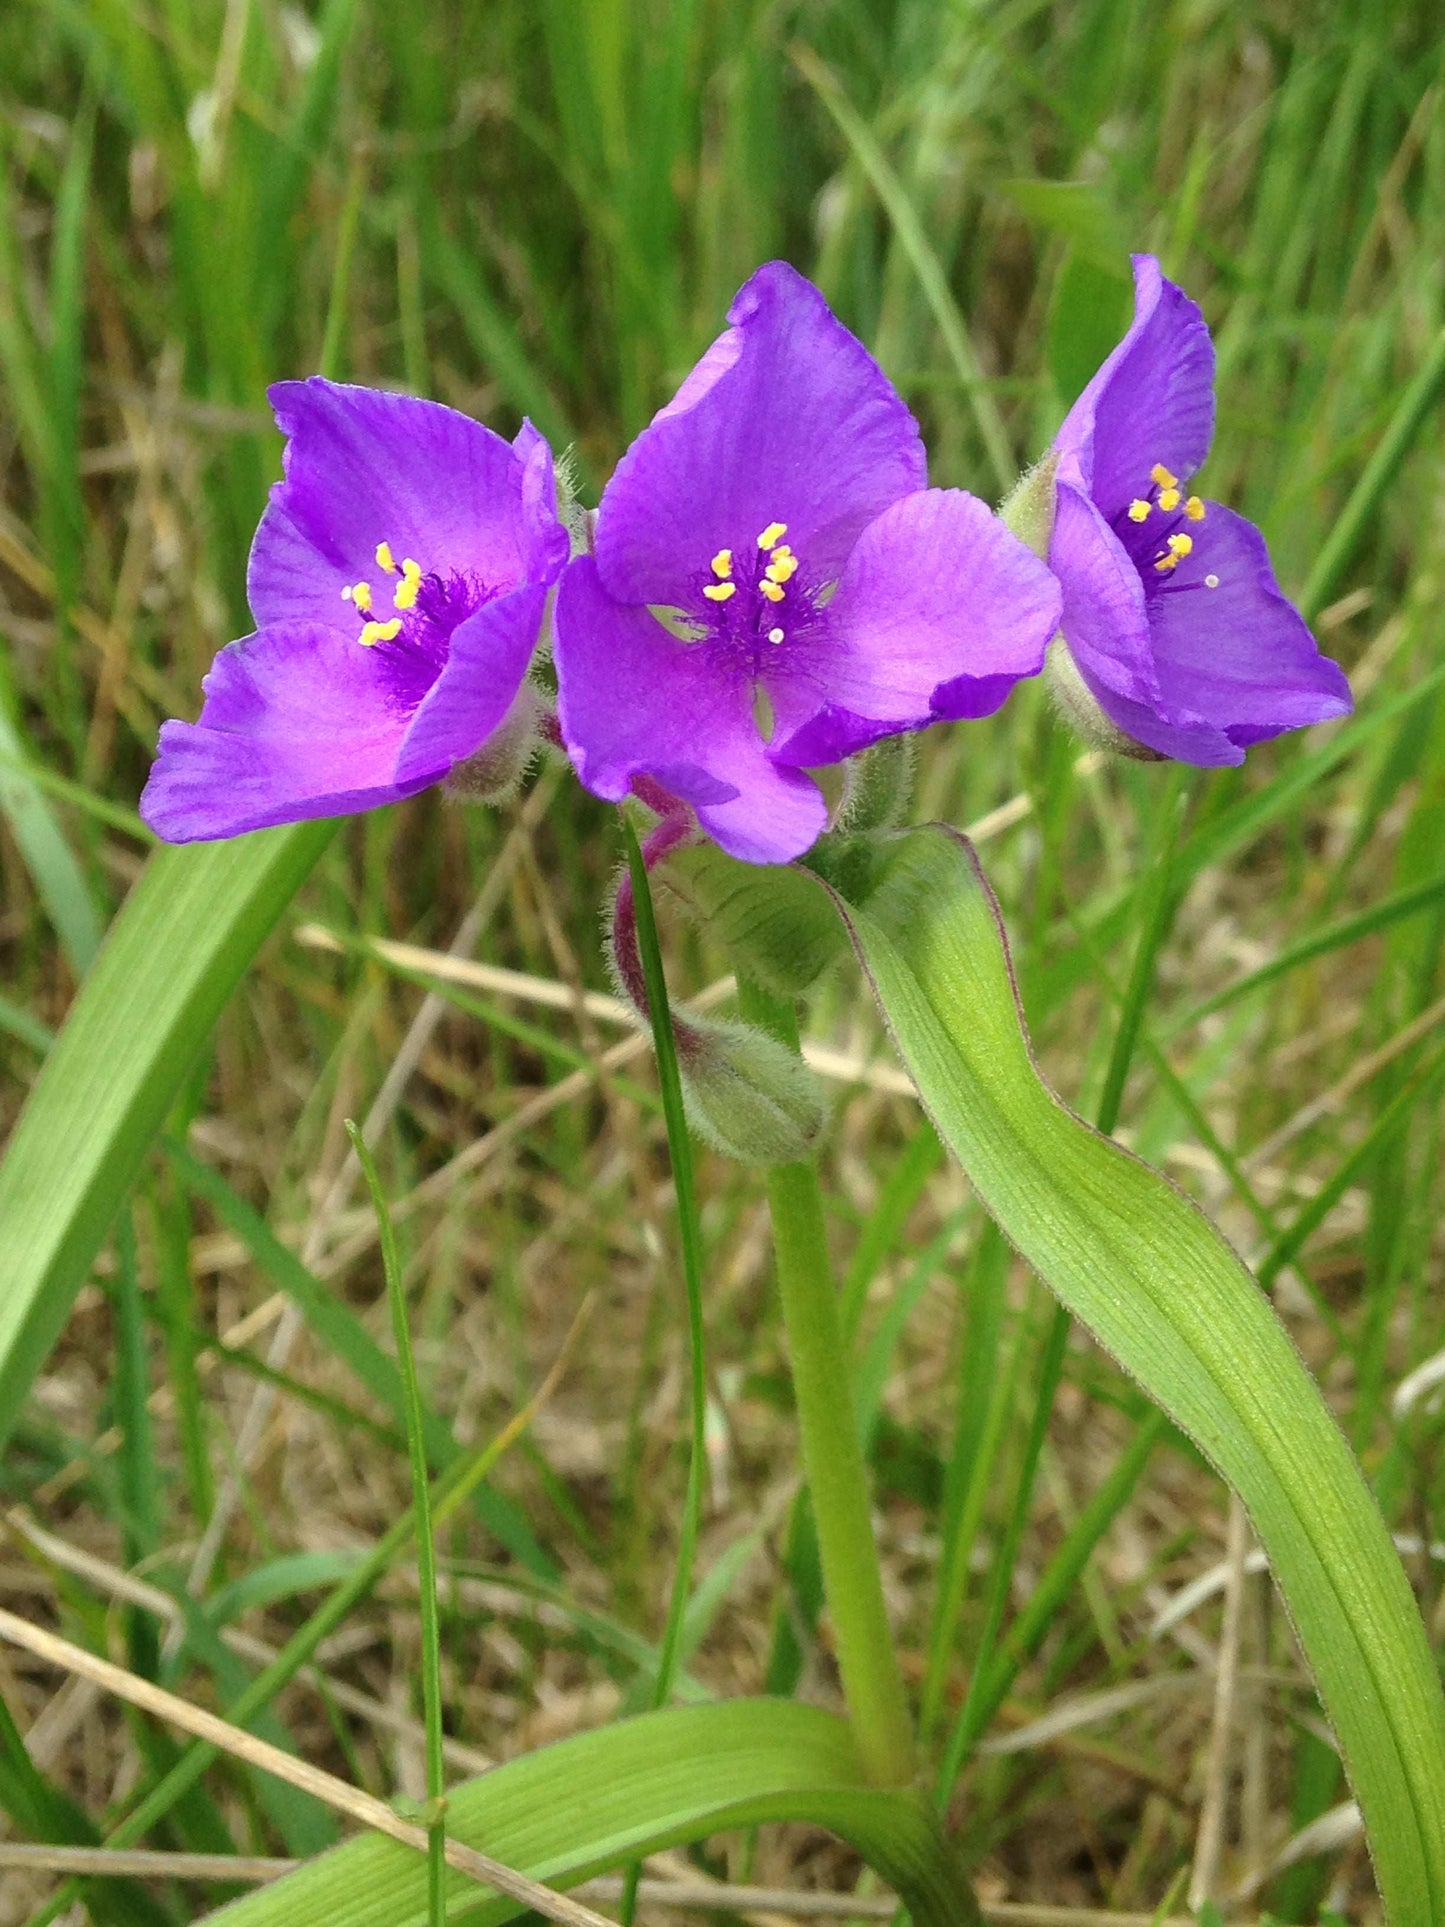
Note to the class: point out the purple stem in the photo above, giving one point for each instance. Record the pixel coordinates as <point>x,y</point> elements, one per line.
<point>675,827</point>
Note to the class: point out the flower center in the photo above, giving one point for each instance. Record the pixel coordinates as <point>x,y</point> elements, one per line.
<point>404,594</point>
<point>1154,528</point>
<point>751,596</point>
<point>426,607</point>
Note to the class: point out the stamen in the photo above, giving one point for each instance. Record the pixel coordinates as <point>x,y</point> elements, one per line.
<point>772,534</point>
<point>1138,509</point>
<point>783,566</point>
<point>1160,476</point>
<point>775,635</point>
<point>384,558</point>
<point>360,594</point>
<point>1179,546</point>
<point>374,632</point>
<point>772,590</point>
<point>1194,509</point>
<point>722,564</point>
<point>1168,498</point>
<point>720,591</point>
<point>405,594</point>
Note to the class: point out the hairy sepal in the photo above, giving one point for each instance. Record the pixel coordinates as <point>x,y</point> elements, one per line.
<point>878,786</point>
<point>1028,508</point>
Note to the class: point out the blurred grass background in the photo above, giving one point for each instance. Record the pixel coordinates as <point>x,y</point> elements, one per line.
<point>544,209</point>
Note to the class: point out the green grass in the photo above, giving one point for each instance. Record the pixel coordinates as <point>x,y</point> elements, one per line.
<point>543,209</point>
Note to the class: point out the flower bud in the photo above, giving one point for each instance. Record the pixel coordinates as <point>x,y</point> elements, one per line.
<point>772,918</point>
<point>746,1094</point>
<point>1076,703</point>
<point>1028,509</point>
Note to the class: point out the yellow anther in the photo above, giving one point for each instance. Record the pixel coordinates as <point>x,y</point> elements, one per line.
<point>782,567</point>
<point>1194,509</point>
<point>1160,476</point>
<point>1181,544</point>
<point>373,632</point>
<point>1168,498</point>
<point>775,635</point>
<point>772,590</point>
<point>722,564</point>
<point>384,558</point>
<point>720,591</point>
<point>1166,563</point>
<point>404,596</point>
<point>772,534</point>
<point>1138,509</point>
<point>360,594</point>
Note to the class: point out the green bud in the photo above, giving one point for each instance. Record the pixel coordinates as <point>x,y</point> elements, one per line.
<point>746,1094</point>
<point>1028,509</point>
<point>1077,704</point>
<point>775,921</point>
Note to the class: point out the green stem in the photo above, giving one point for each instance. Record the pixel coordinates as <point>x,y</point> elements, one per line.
<point>832,1455</point>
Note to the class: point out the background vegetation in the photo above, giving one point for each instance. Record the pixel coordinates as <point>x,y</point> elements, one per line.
<point>543,209</point>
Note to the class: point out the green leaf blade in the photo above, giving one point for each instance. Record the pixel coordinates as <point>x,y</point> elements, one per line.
<point>174,955</point>
<point>567,1811</point>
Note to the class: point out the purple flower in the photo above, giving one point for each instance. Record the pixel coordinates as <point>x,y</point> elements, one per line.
<point>774,587</point>
<point>398,580</point>
<point>1171,611</point>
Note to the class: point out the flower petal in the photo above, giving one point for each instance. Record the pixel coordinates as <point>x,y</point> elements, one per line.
<point>1105,621</point>
<point>1184,741</point>
<point>633,700</point>
<point>486,660</point>
<point>1238,655</point>
<point>1152,400</point>
<point>364,467</point>
<point>298,721</point>
<point>787,418</point>
<point>939,612</point>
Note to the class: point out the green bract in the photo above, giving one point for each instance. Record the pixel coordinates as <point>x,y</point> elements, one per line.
<point>1143,1268</point>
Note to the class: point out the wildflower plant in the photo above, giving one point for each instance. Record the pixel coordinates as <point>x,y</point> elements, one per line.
<point>768,589</point>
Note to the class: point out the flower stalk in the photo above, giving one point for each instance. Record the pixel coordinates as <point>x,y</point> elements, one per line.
<point>832,1455</point>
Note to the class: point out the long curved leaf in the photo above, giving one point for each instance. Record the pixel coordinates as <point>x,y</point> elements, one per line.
<point>1134,1259</point>
<point>173,957</point>
<point>599,1799</point>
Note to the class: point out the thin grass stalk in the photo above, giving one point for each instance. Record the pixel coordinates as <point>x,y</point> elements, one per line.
<point>679,1144</point>
<point>431,1659</point>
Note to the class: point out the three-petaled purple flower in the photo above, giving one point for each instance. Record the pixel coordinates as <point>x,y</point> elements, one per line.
<point>398,580</point>
<point>1171,613</point>
<point>774,587</point>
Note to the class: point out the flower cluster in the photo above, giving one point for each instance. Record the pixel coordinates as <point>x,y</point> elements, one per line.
<point>769,586</point>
